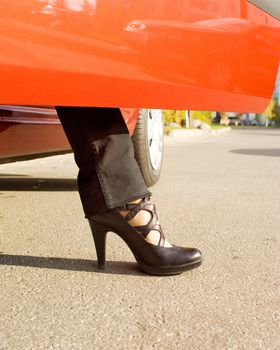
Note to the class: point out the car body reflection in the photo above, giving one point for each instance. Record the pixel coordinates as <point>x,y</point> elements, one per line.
<point>222,55</point>
<point>203,52</point>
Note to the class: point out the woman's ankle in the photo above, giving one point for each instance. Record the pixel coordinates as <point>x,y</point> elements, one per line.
<point>141,219</point>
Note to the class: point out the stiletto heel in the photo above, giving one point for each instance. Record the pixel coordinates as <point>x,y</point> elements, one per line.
<point>153,259</point>
<point>99,233</point>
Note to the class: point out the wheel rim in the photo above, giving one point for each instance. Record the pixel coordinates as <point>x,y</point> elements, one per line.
<point>155,137</point>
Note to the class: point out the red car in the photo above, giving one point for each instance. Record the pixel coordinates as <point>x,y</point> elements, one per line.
<point>32,132</point>
<point>210,55</point>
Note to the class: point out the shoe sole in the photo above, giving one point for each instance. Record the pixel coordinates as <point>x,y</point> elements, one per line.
<point>168,270</point>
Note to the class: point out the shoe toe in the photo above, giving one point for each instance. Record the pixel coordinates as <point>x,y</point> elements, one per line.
<point>196,255</point>
<point>192,255</point>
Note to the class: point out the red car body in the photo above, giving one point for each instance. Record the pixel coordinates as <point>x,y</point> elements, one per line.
<point>27,132</point>
<point>190,54</point>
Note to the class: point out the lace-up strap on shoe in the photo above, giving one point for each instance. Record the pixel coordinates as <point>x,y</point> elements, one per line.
<point>146,229</point>
<point>153,224</point>
<point>134,209</point>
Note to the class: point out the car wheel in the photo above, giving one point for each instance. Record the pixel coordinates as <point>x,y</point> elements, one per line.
<point>148,144</point>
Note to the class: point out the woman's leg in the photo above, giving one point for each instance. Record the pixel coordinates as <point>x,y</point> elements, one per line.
<point>113,192</point>
<point>109,175</point>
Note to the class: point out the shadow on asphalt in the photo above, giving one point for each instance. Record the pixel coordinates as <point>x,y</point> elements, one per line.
<point>22,183</point>
<point>258,152</point>
<point>82,265</point>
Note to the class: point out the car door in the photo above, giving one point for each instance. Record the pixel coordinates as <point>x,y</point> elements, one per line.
<point>76,53</point>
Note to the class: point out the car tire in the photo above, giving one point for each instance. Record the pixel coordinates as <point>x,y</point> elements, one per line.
<point>148,144</point>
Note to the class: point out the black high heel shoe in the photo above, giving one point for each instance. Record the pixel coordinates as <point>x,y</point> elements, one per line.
<point>153,259</point>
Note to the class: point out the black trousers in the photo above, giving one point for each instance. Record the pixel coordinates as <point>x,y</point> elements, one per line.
<point>109,175</point>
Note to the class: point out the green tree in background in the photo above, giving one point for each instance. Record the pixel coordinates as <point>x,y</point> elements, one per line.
<point>203,116</point>
<point>179,116</point>
<point>273,112</point>
<point>174,116</point>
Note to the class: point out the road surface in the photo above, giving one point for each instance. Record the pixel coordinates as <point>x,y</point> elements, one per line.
<point>218,193</point>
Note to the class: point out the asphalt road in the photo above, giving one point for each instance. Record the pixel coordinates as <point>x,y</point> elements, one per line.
<point>219,193</point>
